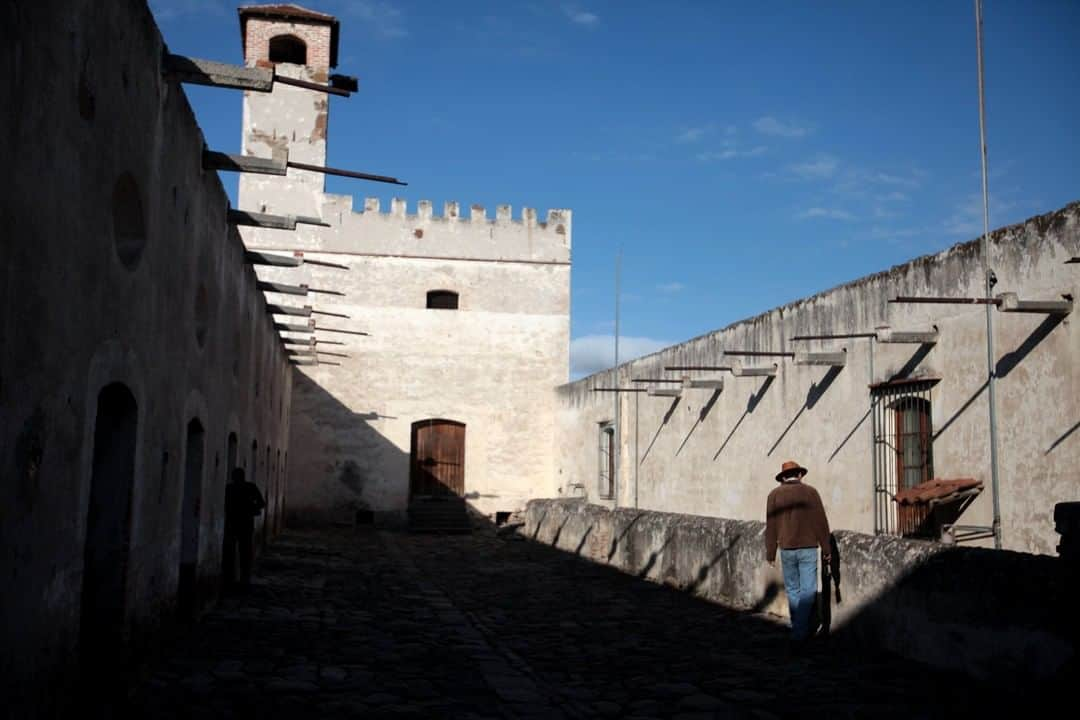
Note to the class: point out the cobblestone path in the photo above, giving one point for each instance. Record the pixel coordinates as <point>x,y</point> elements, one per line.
<point>371,624</point>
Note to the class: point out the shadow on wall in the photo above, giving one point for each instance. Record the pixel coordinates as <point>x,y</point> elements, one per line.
<point>751,404</point>
<point>1005,365</point>
<point>996,615</point>
<point>813,395</point>
<point>341,469</point>
<point>663,424</point>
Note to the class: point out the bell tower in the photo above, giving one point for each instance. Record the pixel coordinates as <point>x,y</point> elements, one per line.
<point>302,44</point>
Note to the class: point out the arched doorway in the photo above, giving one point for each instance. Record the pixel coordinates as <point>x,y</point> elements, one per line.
<point>108,532</point>
<point>228,559</point>
<point>437,459</point>
<point>190,512</point>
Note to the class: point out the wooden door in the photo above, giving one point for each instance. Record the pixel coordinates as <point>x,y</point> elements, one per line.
<point>437,460</point>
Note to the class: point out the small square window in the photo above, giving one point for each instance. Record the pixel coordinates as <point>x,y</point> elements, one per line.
<point>442,300</point>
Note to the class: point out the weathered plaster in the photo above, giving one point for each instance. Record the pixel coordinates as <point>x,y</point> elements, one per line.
<point>717,456</point>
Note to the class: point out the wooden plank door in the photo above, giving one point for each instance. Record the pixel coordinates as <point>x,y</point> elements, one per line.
<point>437,460</point>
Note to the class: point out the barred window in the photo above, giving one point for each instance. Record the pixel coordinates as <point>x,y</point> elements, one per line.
<point>903,444</point>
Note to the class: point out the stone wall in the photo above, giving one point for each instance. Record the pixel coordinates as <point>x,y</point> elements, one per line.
<point>492,364</point>
<point>119,268</point>
<point>716,453</point>
<point>995,614</point>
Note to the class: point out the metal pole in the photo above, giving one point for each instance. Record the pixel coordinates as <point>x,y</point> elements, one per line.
<point>618,400</point>
<point>637,456</point>
<point>873,442</point>
<point>989,281</point>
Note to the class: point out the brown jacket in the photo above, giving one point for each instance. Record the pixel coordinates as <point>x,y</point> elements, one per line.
<point>795,518</point>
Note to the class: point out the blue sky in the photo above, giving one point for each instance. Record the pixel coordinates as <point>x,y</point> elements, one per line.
<point>741,154</point>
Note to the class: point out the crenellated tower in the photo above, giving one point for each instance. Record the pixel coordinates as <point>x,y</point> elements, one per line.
<point>297,43</point>
<point>431,364</point>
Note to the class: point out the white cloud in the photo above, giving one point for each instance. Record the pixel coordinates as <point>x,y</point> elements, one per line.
<point>888,179</point>
<point>967,217</point>
<point>769,125</point>
<point>383,17</point>
<point>693,134</point>
<point>579,16</point>
<point>593,353</point>
<point>731,153</point>
<point>893,197</point>
<point>165,10</point>
<point>824,166</point>
<point>828,213</point>
<point>671,287</point>
<point>894,236</point>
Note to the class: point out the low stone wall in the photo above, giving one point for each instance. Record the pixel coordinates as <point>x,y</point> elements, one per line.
<point>992,614</point>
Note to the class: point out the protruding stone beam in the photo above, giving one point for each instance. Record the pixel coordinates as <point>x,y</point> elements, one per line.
<point>260,79</point>
<point>886,334</point>
<point>1072,261</point>
<point>260,258</point>
<point>665,392</point>
<point>320,263</point>
<point>215,74</point>
<point>345,332</point>
<point>282,288</point>
<point>285,327</point>
<point>766,371</point>
<point>288,310</point>
<point>213,160</point>
<point>272,222</point>
<point>315,353</point>
<point>331,314</point>
<point>280,164</point>
<point>1010,303</point>
<point>317,87</point>
<point>832,359</point>
<point>709,384</point>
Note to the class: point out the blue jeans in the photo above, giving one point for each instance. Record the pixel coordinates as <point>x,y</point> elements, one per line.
<point>800,582</point>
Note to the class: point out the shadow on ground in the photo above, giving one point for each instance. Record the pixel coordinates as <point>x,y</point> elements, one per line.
<point>349,623</point>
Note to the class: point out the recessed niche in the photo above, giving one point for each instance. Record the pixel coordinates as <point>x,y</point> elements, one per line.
<point>129,225</point>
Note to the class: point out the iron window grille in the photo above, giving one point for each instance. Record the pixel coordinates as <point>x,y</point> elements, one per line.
<point>903,447</point>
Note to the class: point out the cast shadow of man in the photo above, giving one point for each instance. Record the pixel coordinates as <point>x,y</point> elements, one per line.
<point>830,583</point>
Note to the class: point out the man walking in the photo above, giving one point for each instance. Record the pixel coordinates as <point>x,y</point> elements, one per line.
<point>243,502</point>
<point>795,521</point>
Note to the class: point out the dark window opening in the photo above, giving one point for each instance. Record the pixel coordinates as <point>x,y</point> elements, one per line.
<point>442,300</point>
<point>607,461</point>
<point>288,49</point>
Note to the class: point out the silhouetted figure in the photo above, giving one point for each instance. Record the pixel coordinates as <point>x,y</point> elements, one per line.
<point>795,522</point>
<point>243,502</point>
